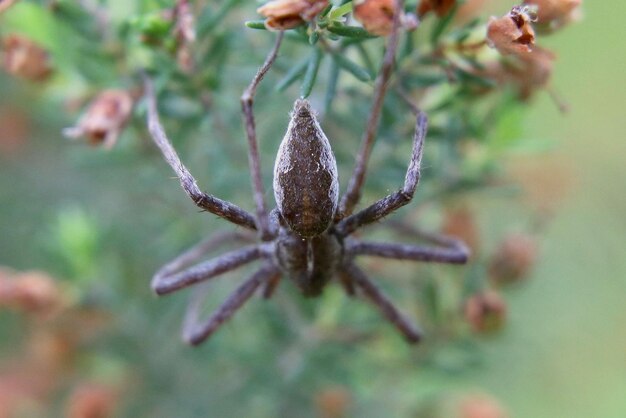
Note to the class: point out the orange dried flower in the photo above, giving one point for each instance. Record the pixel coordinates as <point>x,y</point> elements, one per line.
<point>25,59</point>
<point>480,406</point>
<point>33,292</point>
<point>459,222</point>
<point>513,260</point>
<point>333,402</point>
<point>485,311</point>
<point>553,14</point>
<point>376,16</point>
<point>512,33</point>
<point>288,14</point>
<point>105,118</point>
<point>440,7</point>
<point>91,400</point>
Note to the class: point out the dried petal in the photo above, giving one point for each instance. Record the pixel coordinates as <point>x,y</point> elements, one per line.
<point>25,59</point>
<point>440,7</point>
<point>485,311</point>
<point>512,33</point>
<point>105,118</point>
<point>376,16</point>
<point>288,14</point>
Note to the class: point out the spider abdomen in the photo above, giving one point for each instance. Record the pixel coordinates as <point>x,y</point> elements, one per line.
<point>306,187</point>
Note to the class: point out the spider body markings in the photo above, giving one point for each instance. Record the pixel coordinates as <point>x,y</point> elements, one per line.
<point>307,237</point>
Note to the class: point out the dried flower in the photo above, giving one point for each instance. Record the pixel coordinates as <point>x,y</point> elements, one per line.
<point>333,402</point>
<point>459,222</point>
<point>440,7</point>
<point>480,406</point>
<point>485,311</point>
<point>15,127</point>
<point>91,400</point>
<point>32,292</point>
<point>288,14</point>
<point>376,16</point>
<point>25,59</point>
<point>512,33</point>
<point>105,118</point>
<point>185,35</point>
<point>553,14</point>
<point>513,260</point>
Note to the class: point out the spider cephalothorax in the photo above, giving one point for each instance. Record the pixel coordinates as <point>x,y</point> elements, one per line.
<point>307,238</point>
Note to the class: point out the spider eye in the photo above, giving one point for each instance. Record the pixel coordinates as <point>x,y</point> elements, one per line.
<point>306,186</point>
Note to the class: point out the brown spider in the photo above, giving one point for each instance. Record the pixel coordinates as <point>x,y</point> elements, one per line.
<point>307,237</point>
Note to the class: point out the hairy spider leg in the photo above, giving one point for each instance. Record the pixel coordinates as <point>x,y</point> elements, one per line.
<point>247,103</point>
<point>164,284</point>
<point>196,332</point>
<point>354,274</point>
<point>355,184</point>
<point>393,201</point>
<point>208,202</point>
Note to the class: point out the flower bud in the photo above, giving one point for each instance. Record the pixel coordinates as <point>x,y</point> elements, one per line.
<point>513,259</point>
<point>25,59</point>
<point>288,14</point>
<point>485,311</point>
<point>105,118</point>
<point>512,34</point>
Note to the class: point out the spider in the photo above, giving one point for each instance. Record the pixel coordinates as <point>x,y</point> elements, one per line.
<point>307,237</point>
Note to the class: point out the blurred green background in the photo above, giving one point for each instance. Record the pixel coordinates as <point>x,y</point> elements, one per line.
<point>85,214</point>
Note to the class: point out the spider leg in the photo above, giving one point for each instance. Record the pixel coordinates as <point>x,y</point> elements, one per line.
<point>167,280</point>
<point>392,202</point>
<point>208,202</point>
<point>351,272</point>
<point>449,250</point>
<point>247,102</point>
<point>353,192</point>
<point>195,332</point>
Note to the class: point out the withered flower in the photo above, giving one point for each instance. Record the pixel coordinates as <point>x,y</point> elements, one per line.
<point>513,259</point>
<point>32,292</point>
<point>91,400</point>
<point>25,59</point>
<point>376,16</point>
<point>480,406</point>
<point>333,402</point>
<point>288,14</point>
<point>105,118</point>
<point>512,33</point>
<point>459,222</point>
<point>440,7</point>
<point>485,311</point>
<point>553,14</point>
